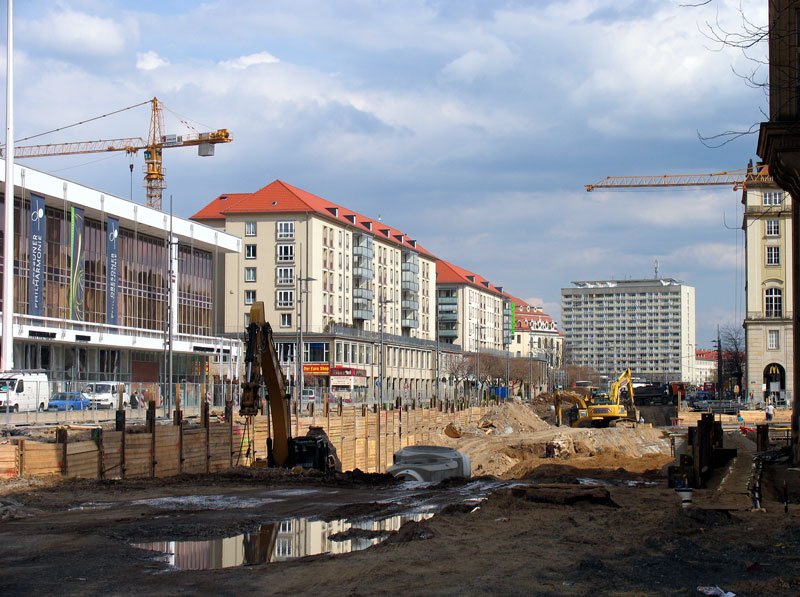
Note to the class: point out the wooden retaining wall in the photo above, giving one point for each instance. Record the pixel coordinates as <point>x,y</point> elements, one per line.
<point>363,439</point>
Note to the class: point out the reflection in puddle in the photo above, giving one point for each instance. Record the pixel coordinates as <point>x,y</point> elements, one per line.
<point>293,538</point>
<point>205,502</point>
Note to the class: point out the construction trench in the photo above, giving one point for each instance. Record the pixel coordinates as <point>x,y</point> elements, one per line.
<point>551,510</point>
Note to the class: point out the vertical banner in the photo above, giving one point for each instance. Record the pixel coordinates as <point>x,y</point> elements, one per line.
<point>36,255</point>
<point>112,259</point>
<point>77,268</point>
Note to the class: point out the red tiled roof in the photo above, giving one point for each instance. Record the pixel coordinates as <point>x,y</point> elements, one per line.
<point>448,273</point>
<point>280,197</point>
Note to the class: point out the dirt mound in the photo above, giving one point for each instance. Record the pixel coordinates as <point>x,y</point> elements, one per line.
<point>512,417</point>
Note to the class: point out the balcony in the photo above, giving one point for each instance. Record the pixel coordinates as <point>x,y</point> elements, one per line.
<point>410,304</point>
<point>363,273</point>
<point>447,300</point>
<point>410,267</point>
<point>448,316</point>
<point>362,314</point>
<point>363,293</point>
<point>409,322</point>
<point>363,251</point>
<point>409,286</point>
<point>448,333</point>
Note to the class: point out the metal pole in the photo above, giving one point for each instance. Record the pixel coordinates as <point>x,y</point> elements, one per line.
<point>7,356</point>
<point>530,367</point>
<point>300,381</point>
<point>478,358</point>
<point>169,394</point>
<point>380,356</point>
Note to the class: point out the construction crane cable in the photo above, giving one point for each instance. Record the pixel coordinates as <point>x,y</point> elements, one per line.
<point>69,126</point>
<point>185,119</point>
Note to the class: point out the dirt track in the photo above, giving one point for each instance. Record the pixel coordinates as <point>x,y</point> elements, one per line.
<point>627,535</point>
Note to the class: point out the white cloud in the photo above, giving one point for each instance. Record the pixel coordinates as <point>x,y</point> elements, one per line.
<point>475,63</point>
<point>149,60</point>
<point>67,31</point>
<point>243,62</point>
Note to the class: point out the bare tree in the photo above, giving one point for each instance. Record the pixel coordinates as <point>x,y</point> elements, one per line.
<point>734,355</point>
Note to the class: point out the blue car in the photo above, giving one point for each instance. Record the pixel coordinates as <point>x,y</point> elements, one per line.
<point>69,401</point>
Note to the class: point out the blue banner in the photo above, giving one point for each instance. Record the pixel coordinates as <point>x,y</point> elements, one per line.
<point>77,267</point>
<point>112,273</point>
<point>36,255</point>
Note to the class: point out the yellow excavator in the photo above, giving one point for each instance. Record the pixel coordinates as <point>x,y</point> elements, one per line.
<point>262,367</point>
<point>599,410</point>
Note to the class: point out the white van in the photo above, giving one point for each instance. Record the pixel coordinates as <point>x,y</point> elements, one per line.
<point>24,391</point>
<point>105,394</point>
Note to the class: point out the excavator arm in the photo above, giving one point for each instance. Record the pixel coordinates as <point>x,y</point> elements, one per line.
<point>262,366</point>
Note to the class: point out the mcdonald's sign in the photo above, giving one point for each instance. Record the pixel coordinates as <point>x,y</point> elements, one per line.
<point>774,370</point>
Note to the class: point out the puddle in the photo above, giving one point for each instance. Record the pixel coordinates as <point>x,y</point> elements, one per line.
<point>278,542</point>
<point>615,482</point>
<point>205,502</point>
<point>92,506</point>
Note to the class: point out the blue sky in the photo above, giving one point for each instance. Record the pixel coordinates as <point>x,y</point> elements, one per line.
<point>472,125</point>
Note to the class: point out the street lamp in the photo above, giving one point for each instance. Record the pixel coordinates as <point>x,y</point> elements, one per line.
<point>478,328</point>
<point>381,371</point>
<point>300,292</point>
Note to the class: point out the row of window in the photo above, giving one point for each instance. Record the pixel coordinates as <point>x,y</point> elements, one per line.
<point>283,229</point>
<point>285,252</point>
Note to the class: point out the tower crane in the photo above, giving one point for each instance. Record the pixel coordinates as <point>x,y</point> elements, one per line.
<point>738,179</point>
<point>156,141</point>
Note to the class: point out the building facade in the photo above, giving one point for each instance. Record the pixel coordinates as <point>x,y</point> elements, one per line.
<point>769,295</point>
<point>645,325</point>
<point>362,293</point>
<point>472,311</point>
<point>102,286</point>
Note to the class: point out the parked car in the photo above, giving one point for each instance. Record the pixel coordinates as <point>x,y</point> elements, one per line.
<point>69,401</point>
<point>104,394</point>
<point>23,391</point>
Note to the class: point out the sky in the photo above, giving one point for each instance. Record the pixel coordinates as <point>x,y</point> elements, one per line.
<point>470,125</point>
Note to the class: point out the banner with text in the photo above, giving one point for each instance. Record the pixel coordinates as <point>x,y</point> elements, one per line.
<point>36,255</point>
<point>112,276</point>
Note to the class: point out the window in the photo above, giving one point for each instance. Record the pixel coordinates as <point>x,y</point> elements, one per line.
<point>249,228</point>
<point>249,297</point>
<point>773,302</point>
<point>249,274</point>
<point>285,229</point>
<point>249,251</point>
<point>773,198</point>
<point>773,339</point>
<point>773,228</point>
<point>285,252</point>
<point>286,320</point>
<point>285,298</point>
<point>773,255</point>
<point>285,275</point>
<point>246,319</point>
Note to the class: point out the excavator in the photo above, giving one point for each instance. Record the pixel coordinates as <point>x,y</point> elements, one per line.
<point>262,368</point>
<point>599,410</point>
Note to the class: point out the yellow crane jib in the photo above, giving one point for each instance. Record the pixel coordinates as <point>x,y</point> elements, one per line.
<point>154,174</point>
<point>736,179</point>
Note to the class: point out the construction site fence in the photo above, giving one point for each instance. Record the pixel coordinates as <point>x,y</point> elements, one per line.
<point>363,438</point>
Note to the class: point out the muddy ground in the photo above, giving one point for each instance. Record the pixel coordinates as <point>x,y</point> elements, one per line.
<point>597,518</point>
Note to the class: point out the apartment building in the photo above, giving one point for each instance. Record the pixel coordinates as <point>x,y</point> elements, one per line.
<point>100,283</point>
<point>472,311</point>
<point>768,273</point>
<point>645,325</point>
<point>363,292</point>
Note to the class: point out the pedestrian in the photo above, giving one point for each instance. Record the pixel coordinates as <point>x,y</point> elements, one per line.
<point>770,410</point>
<point>135,400</point>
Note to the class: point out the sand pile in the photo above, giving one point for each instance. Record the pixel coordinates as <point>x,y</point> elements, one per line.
<point>511,441</point>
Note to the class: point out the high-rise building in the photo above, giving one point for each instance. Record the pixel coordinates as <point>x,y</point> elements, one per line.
<point>768,273</point>
<point>645,325</point>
